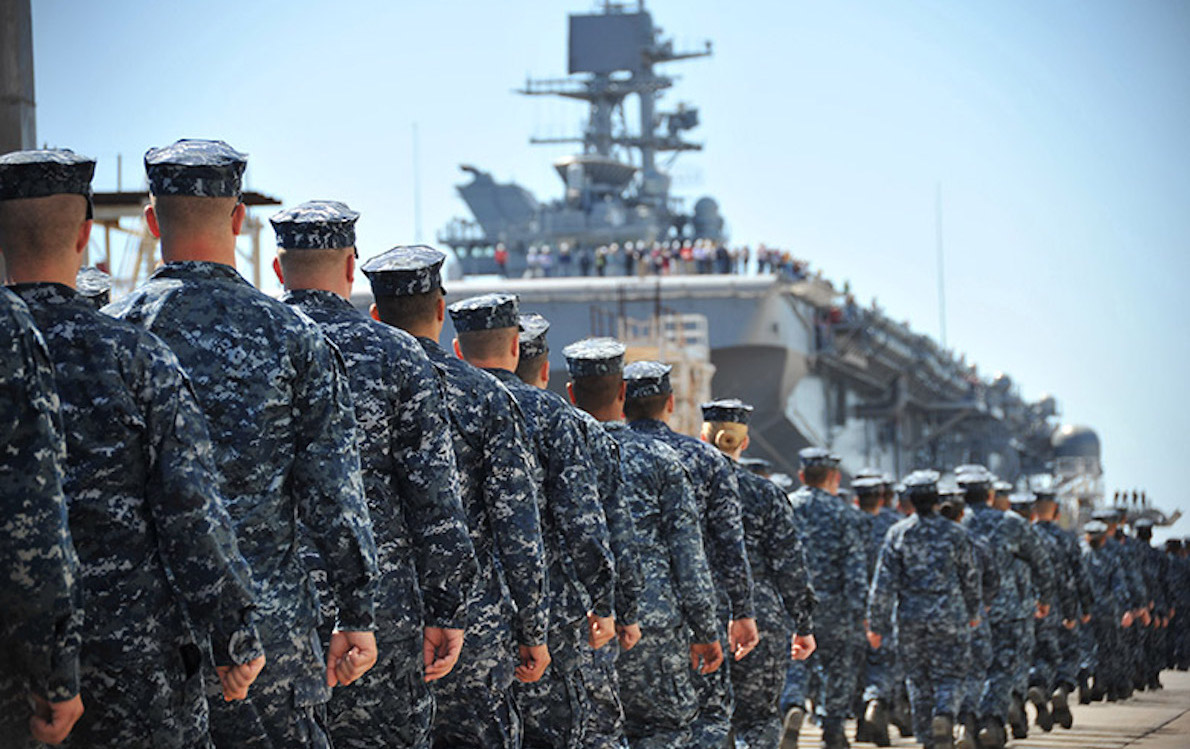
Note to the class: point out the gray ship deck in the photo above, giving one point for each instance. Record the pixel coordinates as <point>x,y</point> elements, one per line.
<point>1150,720</point>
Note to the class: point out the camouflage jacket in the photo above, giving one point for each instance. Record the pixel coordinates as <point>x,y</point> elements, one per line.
<point>717,492</point>
<point>1006,535</point>
<point>139,479</point>
<point>677,577</point>
<point>496,471</point>
<point>785,599</point>
<point>1109,583</point>
<point>927,573</point>
<point>875,527</point>
<point>1068,559</point>
<point>835,554</point>
<point>280,416</point>
<point>582,574</point>
<point>40,610</point>
<point>425,557</point>
<point>1153,566</point>
<point>605,456</point>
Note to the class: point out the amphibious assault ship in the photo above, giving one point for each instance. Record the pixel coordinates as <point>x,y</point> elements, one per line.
<point>819,369</point>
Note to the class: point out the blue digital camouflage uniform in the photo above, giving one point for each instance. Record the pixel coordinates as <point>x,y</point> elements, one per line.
<point>1154,568</point>
<point>1112,597</point>
<point>785,603</point>
<point>606,725</point>
<point>716,490</point>
<point>144,511</point>
<point>509,603</point>
<point>927,576</point>
<point>981,636</point>
<point>280,416</point>
<point>40,610</point>
<point>581,570</point>
<point>95,286</point>
<point>1055,661</point>
<point>1027,646</point>
<point>678,601</point>
<point>878,680</point>
<point>425,556</point>
<point>837,558</point>
<point>1006,534</point>
<point>1137,635</point>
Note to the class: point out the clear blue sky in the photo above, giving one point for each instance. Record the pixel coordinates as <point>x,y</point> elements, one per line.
<point>1058,129</point>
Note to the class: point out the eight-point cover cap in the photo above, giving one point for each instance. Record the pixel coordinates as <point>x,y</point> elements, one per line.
<point>731,410</point>
<point>315,225</point>
<point>487,312</point>
<point>45,172</point>
<point>196,169</point>
<point>533,329</point>
<point>405,271</point>
<point>647,378</point>
<point>594,357</point>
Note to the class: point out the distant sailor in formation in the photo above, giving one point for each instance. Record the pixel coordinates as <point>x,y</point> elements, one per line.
<point>236,521</point>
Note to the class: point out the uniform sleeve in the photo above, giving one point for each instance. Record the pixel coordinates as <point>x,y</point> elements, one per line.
<point>573,498</point>
<point>787,556</point>
<point>511,498</point>
<point>855,567</point>
<point>725,526</point>
<point>605,454</point>
<point>883,592</point>
<point>40,611</point>
<point>327,484</point>
<point>428,483</point>
<point>687,556</point>
<point>1034,555</point>
<point>1082,580</point>
<point>968,572</point>
<point>194,531</point>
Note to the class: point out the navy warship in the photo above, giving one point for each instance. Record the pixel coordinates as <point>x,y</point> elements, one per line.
<point>820,369</point>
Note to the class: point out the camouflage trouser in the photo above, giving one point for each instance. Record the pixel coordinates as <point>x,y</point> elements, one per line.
<point>935,655</point>
<point>286,705</point>
<point>833,664</point>
<point>555,707</point>
<point>1155,650</point>
<point>1047,653</point>
<point>1110,658</point>
<point>476,709</point>
<point>14,710</point>
<point>605,720</point>
<point>389,706</point>
<point>657,689</point>
<point>1024,658</point>
<point>756,682</point>
<point>1068,664</point>
<point>977,669</point>
<point>142,702</point>
<point>997,690</point>
<point>715,699</point>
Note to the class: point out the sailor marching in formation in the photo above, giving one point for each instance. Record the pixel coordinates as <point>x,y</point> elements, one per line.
<point>235,521</point>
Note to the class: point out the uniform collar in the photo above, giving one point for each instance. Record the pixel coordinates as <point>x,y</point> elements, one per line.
<point>199,269</point>
<point>317,298</point>
<point>45,292</point>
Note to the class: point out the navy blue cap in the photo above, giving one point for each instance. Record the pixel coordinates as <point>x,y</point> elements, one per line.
<point>44,172</point>
<point>868,472</point>
<point>533,329</point>
<point>730,410</point>
<point>1045,495</point>
<point>756,465</point>
<point>487,312</point>
<point>1143,523</point>
<point>866,485</point>
<point>1095,528</point>
<point>196,169</point>
<point>973,477</point>
<point>817,456</point>
<point>1106,514</point>
<point>647,378</point>
<point>94,285</point>
<point>315,225</point>
<point>405,271</point>
<point>921,482</point>
<point>594,357</point>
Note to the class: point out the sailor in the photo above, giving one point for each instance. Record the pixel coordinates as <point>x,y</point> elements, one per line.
<point>94,285</point>
<point>581,570</point>
<point>877,676</point>
<point>605,721</point>
<point>1076,609</point>
<point>425,557</point>
<point>837,557</point>
<point>927,574</point>
<point>1120,660</point>
<point>508,610</point>
<point>277,404</point>
<point>678,627</point>
<point>1006,534</point>
<point>1137,638</point>
<point>648,407</point>
<point>1111,612</point>
<point>154,541</point>
<point>1026,647</point>
<point>39,634</point>
<point>1154,567</point>
<point>785,601</point>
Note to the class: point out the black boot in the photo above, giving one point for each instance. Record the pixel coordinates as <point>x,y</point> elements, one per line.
<point>1062,714</point>
<point>968,734</point>
<point>1084,689</point>
<point>991,734</point>
<point>942,732</point>
<point>792,727</point>
<point>900,717</point>
<point>1017,718</point>
<point>1045,720</point>
<point>833,736</point>
<point>873,724</point>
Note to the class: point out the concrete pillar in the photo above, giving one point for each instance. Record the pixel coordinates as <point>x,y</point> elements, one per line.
<point>18,123</point>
